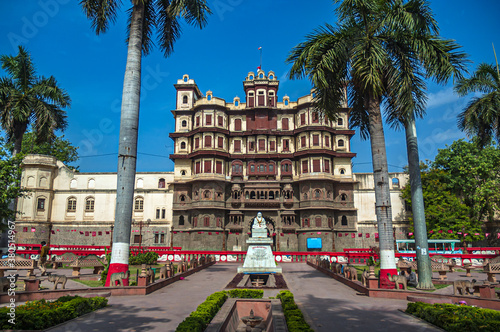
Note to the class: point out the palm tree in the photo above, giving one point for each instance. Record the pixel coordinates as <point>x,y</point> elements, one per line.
<point>27,99</point>
<point>481,117</point>
<point>381,52</point>
<point>145,16</point>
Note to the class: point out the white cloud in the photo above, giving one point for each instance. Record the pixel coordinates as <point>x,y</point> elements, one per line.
<point>442,97</point>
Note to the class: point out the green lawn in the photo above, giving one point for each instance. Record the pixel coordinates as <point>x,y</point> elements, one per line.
<point>90,283</point>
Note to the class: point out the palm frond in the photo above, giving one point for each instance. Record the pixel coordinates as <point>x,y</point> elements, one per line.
<point>101,13</point>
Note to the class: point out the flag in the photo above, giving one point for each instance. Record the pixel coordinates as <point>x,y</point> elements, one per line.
<point>353,235</point>
<point>367,235</point>
<point>260,48</point>
<point>410,234</point>
<point>258,68</point>
<point>340,234</point>
<point>376,235</point>
<point>360,234</point>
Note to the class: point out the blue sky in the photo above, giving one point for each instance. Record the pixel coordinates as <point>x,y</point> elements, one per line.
<point>91,69</point>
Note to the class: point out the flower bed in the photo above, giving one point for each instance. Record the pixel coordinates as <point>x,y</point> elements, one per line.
<point>294,318</point>
<point>199,319</point>
<point>459,318</point>
<point>39,315</point>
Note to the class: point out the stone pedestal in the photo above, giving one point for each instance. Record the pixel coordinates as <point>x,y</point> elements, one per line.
<point>487,291</point>
<point>31,285</point>
<point>372,282</point>
<point>142,281</point>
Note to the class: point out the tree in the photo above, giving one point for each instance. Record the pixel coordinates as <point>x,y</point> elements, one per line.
<point>58,147</point>
<point>144,17</point>
<point>27,99</point>
<point>10,182</point>
<point>461,190</point>
<point>380,53</point>
<point>481,116</point>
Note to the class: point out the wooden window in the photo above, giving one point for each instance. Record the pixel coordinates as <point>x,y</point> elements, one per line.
<point>206,222</point>
<point>340,122</point>
<point>139,204</point>
<point>208,119</point>
<point>284,124</point>
<point>219,222</point>
<point>197,121</point>
<point>185,99</point>
<point>207,167</point>
<point>286,145</point>
<point>303,142</point>
<point>272,146</point>
<point>197,143</point>
<point>316,165</point>
<point>184,123</point>
<point>237,146</point>
<point>71,205</point>
<point>195,221</point>
<point>344,221</point>
<point>315,117</point>
<point>330,222</point>
<point>161,183</point>
<point>40,204</point>
<point>304,166</point>
<point>157,213</point>
<point>303,119</point>
<point>327,166</point>
<point>327,141</point>
<point>137,238</point>
<point>318,221</point>
<point>163,213</point>
<point>306,223</point>
<point>262,144</point>
<point>89,204</point>
<point>197,168</point>
<point>316,140</point>
<point>183,145</point>
<point>220,142</point>
<point>252,146</point>
<point>220,120</point>
<point>208,141</point>
<point>181,221</point>
<point>218,167</point>
<point>341,143</point>
<point>237,124</point>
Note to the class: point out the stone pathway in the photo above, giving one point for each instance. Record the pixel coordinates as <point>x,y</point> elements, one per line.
<point>327,304</point>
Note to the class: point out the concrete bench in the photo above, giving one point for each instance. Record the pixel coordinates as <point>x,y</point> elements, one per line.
<point>64,259</point>
<point>87,261</point>
<point>491,269</point>
<point>19,263</point>
<point>436,265</point>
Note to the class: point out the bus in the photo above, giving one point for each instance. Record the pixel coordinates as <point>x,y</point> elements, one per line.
<point>435,246</point>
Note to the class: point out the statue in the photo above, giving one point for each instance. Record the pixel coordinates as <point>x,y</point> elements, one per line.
<point>58,279</point>
<point>259,221</point>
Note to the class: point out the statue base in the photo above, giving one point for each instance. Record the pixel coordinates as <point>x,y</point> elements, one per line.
<point>259,258</point>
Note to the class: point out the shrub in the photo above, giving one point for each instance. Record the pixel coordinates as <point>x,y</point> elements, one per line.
<point>457,318</point>
<point>199,319</point>
<point>149,258</point>
<point>246,293</point>
<point>294,317</point>
<point>37,315</point>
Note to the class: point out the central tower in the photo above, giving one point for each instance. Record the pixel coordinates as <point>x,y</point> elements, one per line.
<point>283,158</point>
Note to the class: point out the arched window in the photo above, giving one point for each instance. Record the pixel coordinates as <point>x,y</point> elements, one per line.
<point>181,220</point>
<point>271,77</point>
<point>344,221</point>
<point>206,194</point>
<point>71,204</point>
<point>185,99</point>
<point>395,182</point>
<point>261,75</point>
<point>91,184</point>
<point>182,198</point>
<point>40,205</point>
<point>89,204</point>
<point>340,121</point>
<point>184,123</point>
<point>183,172</point>
<point>209,97</point>
<point>140,183</point>
<point>236,103</point>
<point>161,183</point>
<point>139,204</point>
<point>252,168</point>
<point>340,143</point>
<point>183,145</point>
<point>250,77</point>
<point>286,102</point>
<point>342,171</point>
<point>237,124</point>
<point>317,194</point>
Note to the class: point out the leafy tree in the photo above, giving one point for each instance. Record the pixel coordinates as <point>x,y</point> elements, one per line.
<point>481,116</point>
<point>58,147</point>
<point>145,18</point>
<point>10,182</point>
<point>461,190</point>
<point>28,99</point>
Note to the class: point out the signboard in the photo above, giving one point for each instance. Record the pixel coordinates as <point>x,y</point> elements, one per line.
<point>314,243</point>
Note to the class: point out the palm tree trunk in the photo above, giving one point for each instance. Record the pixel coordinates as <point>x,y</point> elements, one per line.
<point>417,207</point>
<point>127,148</point>
<point>19,130</point>
<point>382,194</point>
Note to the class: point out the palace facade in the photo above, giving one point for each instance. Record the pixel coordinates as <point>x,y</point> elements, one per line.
<point>232,160</point>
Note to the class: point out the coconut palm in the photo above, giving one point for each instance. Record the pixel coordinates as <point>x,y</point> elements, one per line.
<point>481,117</point>
<point>145,18</point>
<point>28,99</point>
<point>381,52</point>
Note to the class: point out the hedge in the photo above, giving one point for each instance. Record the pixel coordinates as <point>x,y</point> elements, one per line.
<point>203,315</point>
<point>456,318</point>
<point>39,315</point>
<point>294,317</point>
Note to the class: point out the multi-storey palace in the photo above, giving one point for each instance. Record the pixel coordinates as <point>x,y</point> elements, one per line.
<point>282,158</point>
<point>232,160</point>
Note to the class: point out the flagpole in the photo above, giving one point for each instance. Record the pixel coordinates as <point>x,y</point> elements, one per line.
<point>260,49</point>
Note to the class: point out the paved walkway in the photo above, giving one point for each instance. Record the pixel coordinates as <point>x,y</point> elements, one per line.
<point>327,304</point>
